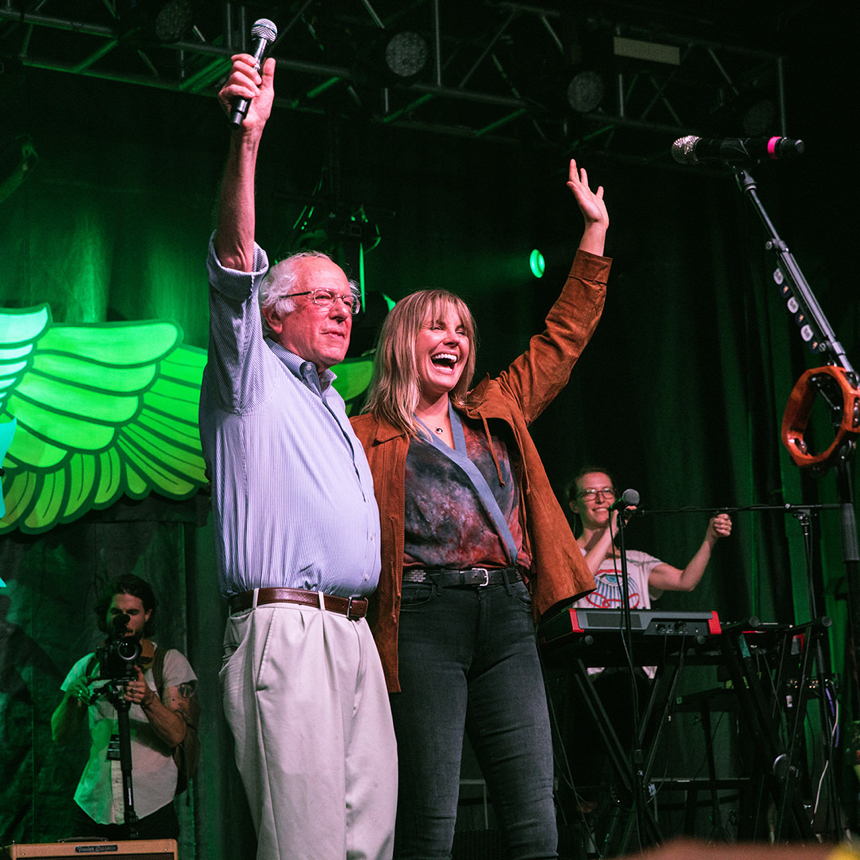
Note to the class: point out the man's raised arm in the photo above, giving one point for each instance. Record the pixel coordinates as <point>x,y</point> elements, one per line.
<point>234,233</point>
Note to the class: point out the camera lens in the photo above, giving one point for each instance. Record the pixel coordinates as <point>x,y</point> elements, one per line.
<point>128,650</point>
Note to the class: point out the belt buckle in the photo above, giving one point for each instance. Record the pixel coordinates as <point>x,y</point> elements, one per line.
<point>486,576</point>
<point>349,614</point>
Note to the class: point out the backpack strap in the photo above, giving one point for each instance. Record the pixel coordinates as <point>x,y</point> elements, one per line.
<point>158,670</point>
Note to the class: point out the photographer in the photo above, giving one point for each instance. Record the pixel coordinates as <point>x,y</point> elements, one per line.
<point>125,668</point>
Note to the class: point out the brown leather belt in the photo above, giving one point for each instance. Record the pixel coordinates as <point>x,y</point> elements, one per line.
<point>351,607</point>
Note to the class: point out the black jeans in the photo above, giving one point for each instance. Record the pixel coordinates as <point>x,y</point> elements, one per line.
<point>468,660</point>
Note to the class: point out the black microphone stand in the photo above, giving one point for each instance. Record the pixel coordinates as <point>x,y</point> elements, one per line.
<point>637,757</point>
<point>817,332</point>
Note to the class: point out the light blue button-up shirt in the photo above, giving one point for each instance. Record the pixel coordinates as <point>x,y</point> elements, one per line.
<point>292,491</point>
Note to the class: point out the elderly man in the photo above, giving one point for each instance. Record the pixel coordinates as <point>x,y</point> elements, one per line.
<point>297,532</point>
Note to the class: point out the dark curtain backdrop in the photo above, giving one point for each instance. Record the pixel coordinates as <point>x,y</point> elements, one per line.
<point>681,392</point>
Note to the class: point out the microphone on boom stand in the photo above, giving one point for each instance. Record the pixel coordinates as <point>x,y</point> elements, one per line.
<point>628,499</point>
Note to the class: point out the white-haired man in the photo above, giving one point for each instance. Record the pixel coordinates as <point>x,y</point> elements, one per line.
<point>297,531</point>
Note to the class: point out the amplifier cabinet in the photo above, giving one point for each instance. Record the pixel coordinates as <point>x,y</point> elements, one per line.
<point>137,849</point>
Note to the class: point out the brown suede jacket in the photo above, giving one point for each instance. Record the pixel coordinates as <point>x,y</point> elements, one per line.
<point>517,396</point>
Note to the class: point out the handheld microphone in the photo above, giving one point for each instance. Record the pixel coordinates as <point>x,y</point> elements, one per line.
<point>698,150</point>
<point>628,499</point>
<point>263,32</point>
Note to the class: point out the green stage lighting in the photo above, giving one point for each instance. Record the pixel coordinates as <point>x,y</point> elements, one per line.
<point>537,263</point>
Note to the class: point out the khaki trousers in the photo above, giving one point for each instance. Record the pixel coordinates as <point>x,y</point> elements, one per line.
<point>305,697</point>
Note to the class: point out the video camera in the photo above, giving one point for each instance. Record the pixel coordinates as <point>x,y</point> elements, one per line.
<point>118,656</point>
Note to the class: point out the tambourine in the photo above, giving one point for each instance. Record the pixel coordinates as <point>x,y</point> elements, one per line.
<point>838,383</point>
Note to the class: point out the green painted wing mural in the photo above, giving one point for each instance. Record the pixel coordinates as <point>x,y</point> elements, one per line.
<point>103,411</point>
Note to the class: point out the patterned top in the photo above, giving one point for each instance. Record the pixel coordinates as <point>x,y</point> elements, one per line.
<point>448,522</point>
<point>608,593</point>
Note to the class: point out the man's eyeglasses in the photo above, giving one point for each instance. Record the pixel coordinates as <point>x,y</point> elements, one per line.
<point>325,299</point>
<point>593,493</point>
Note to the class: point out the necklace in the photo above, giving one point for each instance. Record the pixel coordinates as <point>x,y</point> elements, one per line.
<point>438,429</point>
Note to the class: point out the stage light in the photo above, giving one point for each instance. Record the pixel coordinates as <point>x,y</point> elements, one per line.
<point>746,114</point>
<point>406,54</point>
<point>537,263</point>
<point>585,91</point>
<point>17,159</point>
<point>760,117</point>
<point>165,21</point>
<point>173,19</point>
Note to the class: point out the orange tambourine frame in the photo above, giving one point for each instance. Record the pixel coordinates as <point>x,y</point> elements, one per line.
<point>799,409</point>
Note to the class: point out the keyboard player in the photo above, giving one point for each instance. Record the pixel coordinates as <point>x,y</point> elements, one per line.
<point>591,495</point>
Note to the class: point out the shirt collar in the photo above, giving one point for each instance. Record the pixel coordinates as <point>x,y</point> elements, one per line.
<point>304,371</point>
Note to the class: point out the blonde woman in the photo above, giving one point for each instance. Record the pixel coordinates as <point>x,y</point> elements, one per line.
<point>472,537</point>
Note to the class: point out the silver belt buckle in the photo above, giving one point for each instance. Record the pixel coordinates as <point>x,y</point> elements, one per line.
<point>486,576</point>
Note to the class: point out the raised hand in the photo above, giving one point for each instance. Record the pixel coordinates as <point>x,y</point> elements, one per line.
<point>246,82</point>
<point>590,202</point>
<point>593,210</point>
<point>720,526</point>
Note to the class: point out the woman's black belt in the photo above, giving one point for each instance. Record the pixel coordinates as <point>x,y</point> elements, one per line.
<point>450,577</point>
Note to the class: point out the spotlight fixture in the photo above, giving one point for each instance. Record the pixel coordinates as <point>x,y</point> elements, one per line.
<point>164,20</point>
<point>585,91</point>
<point>406,54</point>
<point>749,113</point>
<point>17,159</point>
<point>760,118</point>
<point>173,19</point>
